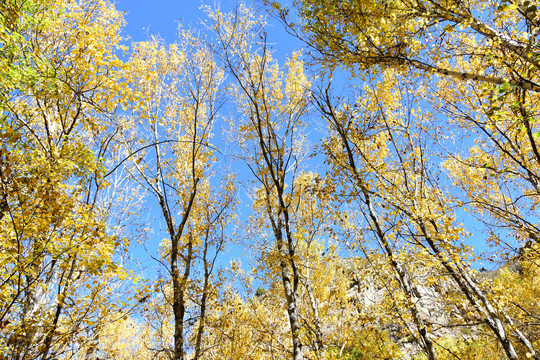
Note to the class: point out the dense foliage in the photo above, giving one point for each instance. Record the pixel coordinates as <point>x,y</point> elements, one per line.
<point>420,166</point>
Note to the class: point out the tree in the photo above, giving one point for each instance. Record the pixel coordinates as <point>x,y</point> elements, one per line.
<point>61,77</point>
<point>436,37</point>
<point>434,136</point>
<point>168,140</point>
<point>361,150</point>
<point>272,105</point>
<point>457,42</point>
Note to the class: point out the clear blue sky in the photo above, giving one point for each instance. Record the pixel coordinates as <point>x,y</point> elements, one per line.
<point>158,17</point>
<point>162,17</point>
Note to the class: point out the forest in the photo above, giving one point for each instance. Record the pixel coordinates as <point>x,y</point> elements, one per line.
<point>371,196</point>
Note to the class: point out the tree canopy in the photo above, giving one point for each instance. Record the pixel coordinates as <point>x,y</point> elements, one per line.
<point>211,199</point>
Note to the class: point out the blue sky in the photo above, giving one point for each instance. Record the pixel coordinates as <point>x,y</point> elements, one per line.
<point>162,17</point>
<point>157,17</point>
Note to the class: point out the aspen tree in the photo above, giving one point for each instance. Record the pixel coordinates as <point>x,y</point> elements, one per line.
<point>58,264</point>
<point>272,104</point>
<point>169,141</point>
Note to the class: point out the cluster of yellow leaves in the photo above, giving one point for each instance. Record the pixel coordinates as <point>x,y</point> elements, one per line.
<point>57,254</point>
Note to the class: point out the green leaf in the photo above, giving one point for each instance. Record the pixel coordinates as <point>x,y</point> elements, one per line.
<point>449,28</point>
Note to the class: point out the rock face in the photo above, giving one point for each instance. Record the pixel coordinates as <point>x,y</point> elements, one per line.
<point>373,293</point>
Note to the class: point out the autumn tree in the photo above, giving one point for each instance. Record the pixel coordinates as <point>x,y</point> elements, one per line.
<point>272,104</point>
<point>364,136</point>
<point>437,134</point>
<point>62,85</point>
<point>168,139</point>
<point>436,37</point>
<point>253,324</point>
